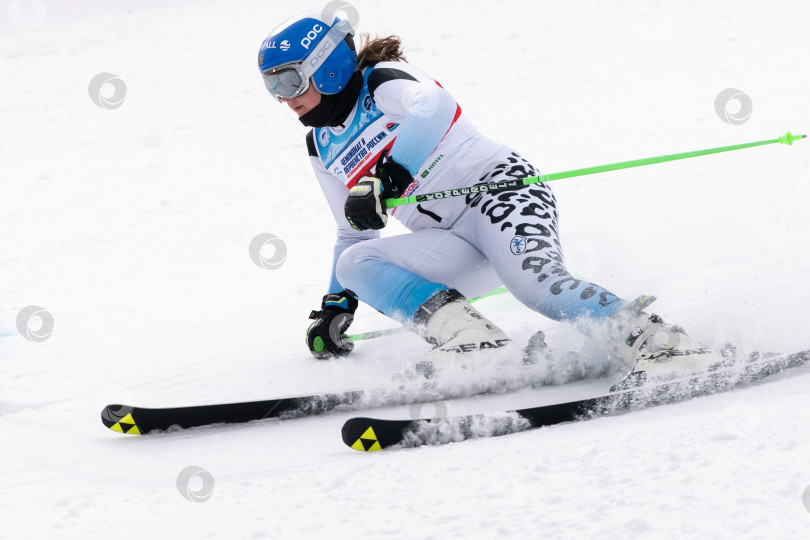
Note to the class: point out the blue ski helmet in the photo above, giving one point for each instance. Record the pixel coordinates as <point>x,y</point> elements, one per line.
<point>308,47</point>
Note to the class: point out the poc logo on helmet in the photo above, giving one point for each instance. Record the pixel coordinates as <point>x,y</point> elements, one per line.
<point>312,34</point>
<point>320,53</point>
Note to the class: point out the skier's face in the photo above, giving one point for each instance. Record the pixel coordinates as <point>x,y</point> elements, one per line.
<point>304,103</point>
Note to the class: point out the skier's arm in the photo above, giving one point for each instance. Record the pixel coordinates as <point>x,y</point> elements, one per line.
<point>336,194</point>
<point>427,111</point>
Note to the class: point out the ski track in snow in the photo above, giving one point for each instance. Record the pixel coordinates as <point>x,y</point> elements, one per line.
<point>131,227</point>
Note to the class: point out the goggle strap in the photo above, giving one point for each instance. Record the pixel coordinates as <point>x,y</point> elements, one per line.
<point>325,47</point>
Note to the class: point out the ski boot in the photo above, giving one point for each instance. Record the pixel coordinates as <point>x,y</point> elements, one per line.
<point>449,323</point>
<point>456,330</point>
<point>655,351</point>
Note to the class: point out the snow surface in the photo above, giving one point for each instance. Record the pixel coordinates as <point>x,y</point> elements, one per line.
<point>131,227</point>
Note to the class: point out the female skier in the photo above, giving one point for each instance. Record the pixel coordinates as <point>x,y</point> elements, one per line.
<point>382,128</point>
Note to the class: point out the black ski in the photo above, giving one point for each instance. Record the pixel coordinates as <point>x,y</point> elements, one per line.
<point>141,420</point>
<point>370,434</point>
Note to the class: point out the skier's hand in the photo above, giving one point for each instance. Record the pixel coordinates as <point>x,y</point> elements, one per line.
<point>325,335</point>
<point>394,177</point>
<point>364,208</point>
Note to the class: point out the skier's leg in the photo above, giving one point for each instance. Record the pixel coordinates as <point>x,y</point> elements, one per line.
<point>517,232</point>
<point>416,278</point>
<point>397,274</point>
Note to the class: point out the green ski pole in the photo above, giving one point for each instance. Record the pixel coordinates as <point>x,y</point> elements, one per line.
<point>494,187</point>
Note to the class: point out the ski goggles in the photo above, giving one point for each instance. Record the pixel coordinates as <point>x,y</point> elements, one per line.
<point>286,82</point>
<point>291,80</point>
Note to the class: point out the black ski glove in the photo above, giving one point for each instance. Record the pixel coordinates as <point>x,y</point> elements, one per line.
<point>364,206</point>
<point>325,335</point>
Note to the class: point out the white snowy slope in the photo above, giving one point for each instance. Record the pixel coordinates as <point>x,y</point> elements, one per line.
<point>131,227</point>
